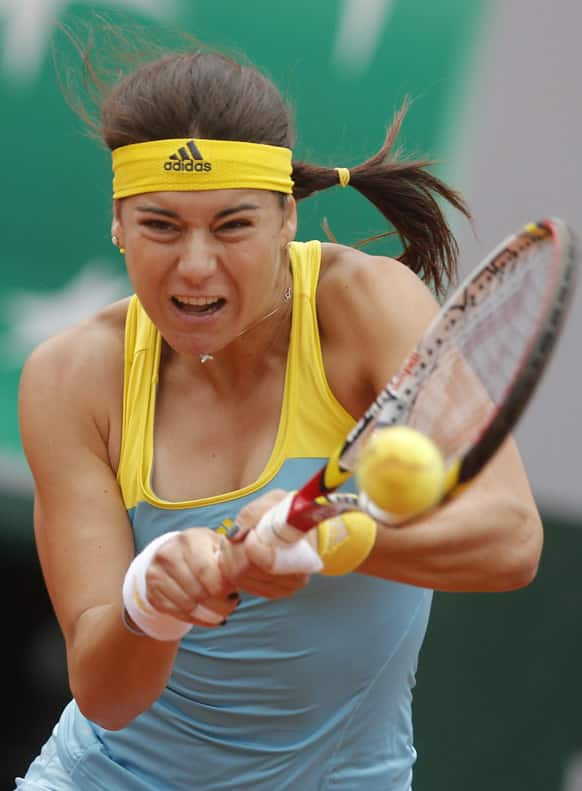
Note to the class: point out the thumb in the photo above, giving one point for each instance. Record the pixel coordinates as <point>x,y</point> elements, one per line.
<point>299,557</point>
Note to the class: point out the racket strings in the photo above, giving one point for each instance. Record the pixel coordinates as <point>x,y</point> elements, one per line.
<point>481,346</point>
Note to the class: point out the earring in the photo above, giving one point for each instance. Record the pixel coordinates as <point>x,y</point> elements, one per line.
<point>115,241</point>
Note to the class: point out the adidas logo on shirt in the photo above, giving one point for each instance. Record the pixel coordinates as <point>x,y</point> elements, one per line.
<point>187,158</point>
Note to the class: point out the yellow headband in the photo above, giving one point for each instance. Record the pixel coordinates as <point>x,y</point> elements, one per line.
<point>183,165</point>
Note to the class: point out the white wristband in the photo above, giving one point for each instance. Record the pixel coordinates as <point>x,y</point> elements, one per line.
<point>153,623</point>
<point>294,554</point>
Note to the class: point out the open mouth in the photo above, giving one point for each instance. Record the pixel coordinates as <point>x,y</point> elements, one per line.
<point>199,306</point>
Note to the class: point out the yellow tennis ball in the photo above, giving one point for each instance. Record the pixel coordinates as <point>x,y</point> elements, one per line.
<point>402,471</point>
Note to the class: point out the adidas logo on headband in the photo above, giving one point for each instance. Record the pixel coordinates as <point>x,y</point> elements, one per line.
<point>187,158</point>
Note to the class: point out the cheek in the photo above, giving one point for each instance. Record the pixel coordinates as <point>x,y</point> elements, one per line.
<point>133,273</point>
<point>145,283</point>
<point>253,269</point>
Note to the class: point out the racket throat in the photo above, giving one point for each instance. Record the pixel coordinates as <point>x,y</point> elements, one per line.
<point>301,513</point>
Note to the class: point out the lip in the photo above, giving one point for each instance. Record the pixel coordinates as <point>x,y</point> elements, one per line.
<point>192,319</point>
<point>202,299</point>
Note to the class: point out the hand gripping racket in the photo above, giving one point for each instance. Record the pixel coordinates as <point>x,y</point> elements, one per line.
<point>468,380</point>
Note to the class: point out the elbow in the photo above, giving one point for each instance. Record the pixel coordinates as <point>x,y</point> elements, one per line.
<point>523,550</point>
<point>109,708</point>
<point>114,677</point>
<point>521,573</point>
<point>109,721</point>
<point>113,716</point>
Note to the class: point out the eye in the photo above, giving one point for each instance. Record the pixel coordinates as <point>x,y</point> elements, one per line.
<point>159,225</point>
<point>238,224</point>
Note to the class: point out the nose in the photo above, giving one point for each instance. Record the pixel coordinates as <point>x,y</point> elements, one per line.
<point>197,257</point>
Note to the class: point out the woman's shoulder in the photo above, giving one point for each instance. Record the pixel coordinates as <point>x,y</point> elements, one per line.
<point>355,281</point>
<point>371,311</point>
<point>72,386</point>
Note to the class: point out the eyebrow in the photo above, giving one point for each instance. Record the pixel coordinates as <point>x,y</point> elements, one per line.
<point>218,215</point>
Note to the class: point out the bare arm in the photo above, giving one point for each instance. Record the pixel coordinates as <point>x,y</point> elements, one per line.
<point>490,538</point>
<point>82,531</point>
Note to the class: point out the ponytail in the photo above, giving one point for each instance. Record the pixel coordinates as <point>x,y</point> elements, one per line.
<point>406,193</point>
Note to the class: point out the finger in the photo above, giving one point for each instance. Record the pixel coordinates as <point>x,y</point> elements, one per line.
<point>175,592</point>
<point>178,560</point>
<point>233,561</point>
<point>253,511</point>
<point>210,612</point>
<point>259,554</point>
<point>271,587</point>
<point>196,568</point>
<point>270,591</point>
<point>237,533</point>
<point>214,612</point>
<point>186,574</point>
<point>176,607</point>
<point>214,581</point>
<point>289,580</point>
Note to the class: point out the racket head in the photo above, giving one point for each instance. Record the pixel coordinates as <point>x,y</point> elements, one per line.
<point>472,375</point>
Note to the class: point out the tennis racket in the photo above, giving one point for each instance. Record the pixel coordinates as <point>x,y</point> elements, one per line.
<point>468,380</point>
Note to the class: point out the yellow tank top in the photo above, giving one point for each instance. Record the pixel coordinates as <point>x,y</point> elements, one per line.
<point>312,421</point>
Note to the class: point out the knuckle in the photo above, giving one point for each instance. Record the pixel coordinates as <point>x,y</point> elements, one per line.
<point>257,507</point>
<point>157,601</point>
<point>234,560</point>
<point>195,591</point>
<point>277,494</point>
<point>153,579</point>
<point>211,581</point>
<point>164,556</point>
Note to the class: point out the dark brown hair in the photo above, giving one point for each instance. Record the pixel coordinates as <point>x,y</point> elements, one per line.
<point>205,94</point>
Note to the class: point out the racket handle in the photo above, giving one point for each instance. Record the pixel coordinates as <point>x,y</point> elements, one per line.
<point>293,552</point>
<point>273,529</point>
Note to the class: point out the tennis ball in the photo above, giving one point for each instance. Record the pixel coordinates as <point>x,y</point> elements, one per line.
<point>402,471</point>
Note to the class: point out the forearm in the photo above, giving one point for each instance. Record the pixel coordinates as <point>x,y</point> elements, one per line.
<point>476,543</point>
<point>115,675</point>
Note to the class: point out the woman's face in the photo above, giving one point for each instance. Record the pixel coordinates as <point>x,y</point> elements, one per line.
<point>206,265</point>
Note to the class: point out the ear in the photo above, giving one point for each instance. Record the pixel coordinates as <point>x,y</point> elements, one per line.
<point>116,227</point>
<point>289,227</point>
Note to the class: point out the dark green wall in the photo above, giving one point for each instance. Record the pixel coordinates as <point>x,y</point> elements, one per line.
<point>499,686</point>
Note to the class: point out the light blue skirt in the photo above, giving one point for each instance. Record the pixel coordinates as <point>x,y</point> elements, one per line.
<point>46,773</point>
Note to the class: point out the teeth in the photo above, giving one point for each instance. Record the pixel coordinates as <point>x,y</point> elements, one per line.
<point>197,301</point>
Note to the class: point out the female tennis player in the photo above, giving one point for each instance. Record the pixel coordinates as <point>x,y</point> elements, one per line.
<point>242,359</point>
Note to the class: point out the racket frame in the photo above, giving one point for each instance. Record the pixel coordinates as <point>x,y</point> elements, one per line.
<point>317,499</point>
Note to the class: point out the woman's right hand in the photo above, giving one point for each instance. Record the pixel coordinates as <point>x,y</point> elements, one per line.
<point>252,564</point>
<point>184,576</point>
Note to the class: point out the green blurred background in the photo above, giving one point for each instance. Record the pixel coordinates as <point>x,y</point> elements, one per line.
<point>498,691</point>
